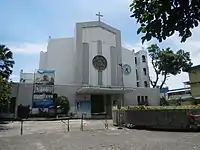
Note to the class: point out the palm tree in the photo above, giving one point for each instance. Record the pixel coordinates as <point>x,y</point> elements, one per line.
<point>6,61</point>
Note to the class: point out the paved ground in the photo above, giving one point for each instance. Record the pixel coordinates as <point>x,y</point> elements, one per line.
<point>54,136</point>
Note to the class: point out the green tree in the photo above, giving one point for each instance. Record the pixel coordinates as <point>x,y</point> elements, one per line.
<point>162,18</point>
<point>5,91</point>
<point>163,102</point>
<point>6,65</point>
<point>6,61</point>
<point>63,102</point>
<point>165,63</point>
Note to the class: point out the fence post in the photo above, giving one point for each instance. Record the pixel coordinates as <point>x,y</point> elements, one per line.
<point>21,127</point>
<point>82,122</point>
<point>82,117</point>
<point>68,125</point>
<point>106,121</point>
<point>120,119</point>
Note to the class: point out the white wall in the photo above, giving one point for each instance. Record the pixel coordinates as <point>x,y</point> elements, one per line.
<point>140,65</point>
<point>128,57</point>
<point>43,60</point>
<point>152,93</point>
<point>26,77</point>
<point>91,36</point>
<point>61,58</point>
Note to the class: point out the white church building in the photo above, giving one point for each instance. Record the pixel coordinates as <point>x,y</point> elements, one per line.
<point>94,71</point>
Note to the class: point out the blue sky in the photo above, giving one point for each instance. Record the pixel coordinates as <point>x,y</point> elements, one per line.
<point>28,24</point>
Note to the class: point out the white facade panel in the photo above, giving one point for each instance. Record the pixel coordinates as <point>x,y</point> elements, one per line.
<point>61,58</point>
<point>107,71</point>
<point>93,73</point>
<point>128,57</point>
<point>91,35</point>
<point>43,60</point>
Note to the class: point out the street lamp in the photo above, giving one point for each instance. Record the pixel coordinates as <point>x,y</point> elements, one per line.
<point>122,98</point>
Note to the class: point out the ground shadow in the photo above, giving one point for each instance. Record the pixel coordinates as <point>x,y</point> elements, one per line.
<point>165,130</point>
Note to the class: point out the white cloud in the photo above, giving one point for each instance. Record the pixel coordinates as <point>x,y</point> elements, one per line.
<point>26,48</point>
<point>136,46</point>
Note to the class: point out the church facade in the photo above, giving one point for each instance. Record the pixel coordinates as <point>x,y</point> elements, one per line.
<point>95,72</point>
<point>94,58</point>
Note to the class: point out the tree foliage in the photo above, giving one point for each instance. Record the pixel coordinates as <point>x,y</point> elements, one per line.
<point>163,102</point>
<point>6,61</point>
<point>63,102</point>
<point>162,18</point>
<point>5,91</point>
<point>6,65</point>
<point>165,62</point>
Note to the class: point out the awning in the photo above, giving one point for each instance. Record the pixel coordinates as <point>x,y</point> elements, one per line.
<point>190,83</point>
<point>104,90</point>
<point>197,98</point>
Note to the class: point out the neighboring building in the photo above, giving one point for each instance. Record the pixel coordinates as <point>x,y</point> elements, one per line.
<point>194,76</point>
<point>163,92</point>
<point>181,93</point>
<point>26,77</point>
<point>94,71</point>
<point>175,94</point>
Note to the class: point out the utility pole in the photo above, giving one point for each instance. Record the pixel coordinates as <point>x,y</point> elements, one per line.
<point>122,97</point>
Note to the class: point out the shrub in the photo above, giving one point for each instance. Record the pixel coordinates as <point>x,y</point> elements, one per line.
<point>63,102</point>
<point>163,102</point>
<point>195,102</point>
<point>186,107</point>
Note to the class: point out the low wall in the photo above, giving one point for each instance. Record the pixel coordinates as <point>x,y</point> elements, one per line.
<point>7,115</point>
<point>159,119</point>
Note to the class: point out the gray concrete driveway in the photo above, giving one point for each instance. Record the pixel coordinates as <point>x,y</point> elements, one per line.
<point>54,136</point>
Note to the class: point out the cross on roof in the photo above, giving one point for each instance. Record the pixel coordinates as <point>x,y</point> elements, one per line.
<point>99,16</point>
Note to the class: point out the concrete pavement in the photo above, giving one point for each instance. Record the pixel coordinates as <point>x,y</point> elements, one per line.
<point>54,136</point>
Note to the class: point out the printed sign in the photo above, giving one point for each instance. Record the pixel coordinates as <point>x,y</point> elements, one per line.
<point>43,88</point>
<point>45,77</point>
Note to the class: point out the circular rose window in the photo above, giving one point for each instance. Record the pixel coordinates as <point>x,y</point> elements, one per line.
<point>99,62</point>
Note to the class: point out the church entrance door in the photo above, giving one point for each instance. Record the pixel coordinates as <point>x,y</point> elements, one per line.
<point>97,105</point>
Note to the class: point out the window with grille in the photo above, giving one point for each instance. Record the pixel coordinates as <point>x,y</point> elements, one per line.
<point>145,71</point>
<point>143,58</point>
<point>145,84</point>
<point>138,84</point>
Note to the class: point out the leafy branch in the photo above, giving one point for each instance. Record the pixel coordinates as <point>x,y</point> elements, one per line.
<point>162,18</point>
<point>165,63</point>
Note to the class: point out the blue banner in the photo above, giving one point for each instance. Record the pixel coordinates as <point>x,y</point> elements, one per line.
<point>37,103</point>
<point>46,71</point>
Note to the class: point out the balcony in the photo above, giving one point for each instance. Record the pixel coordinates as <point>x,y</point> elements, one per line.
<point>191,83</point>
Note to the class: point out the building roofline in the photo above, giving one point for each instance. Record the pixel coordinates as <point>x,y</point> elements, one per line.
<point>195,67</point>
<point>179,89</point>
<point>98,24</point>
